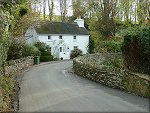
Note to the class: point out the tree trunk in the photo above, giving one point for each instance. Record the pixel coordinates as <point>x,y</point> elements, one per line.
<point>44,9</point>
<point>50,7</point>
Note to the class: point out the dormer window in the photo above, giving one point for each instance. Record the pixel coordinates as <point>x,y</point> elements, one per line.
<point>60,37</point>
<point>49,37</point>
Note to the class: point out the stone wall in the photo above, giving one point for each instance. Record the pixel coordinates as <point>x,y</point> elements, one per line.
<point>9,98</point>
<point>19,64</point>
<point>90,66</point>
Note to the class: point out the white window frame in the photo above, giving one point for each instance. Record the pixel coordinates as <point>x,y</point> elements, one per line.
<point>49,37</point>
<point>75,47</point>
<point>75,38</point>
<point>60,37</point>
<point>60,49</point>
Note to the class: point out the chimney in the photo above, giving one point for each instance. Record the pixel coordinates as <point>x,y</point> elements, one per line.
<point>79,21</point>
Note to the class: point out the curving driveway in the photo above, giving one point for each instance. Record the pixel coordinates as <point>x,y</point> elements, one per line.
<point>51,88</point>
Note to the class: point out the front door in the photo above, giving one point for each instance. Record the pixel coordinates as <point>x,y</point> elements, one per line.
<point>64,53</point>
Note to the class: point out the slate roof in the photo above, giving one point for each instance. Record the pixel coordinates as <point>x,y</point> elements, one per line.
<point>61,28</point>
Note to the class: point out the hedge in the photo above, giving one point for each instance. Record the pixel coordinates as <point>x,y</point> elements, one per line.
<point>136,49</point>
<point>46,58</point>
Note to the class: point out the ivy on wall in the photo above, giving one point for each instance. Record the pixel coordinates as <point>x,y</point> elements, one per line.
<point>136,48</point>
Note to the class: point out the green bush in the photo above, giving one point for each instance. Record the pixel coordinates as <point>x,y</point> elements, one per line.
<point>46,58</point>
<point>6,86</point>
<point>108,46</point>
<point>29,50</point>
<point>91,46</point>
<point>136,49</point>
<point>15,49</point>
<point>117,62</point>
<point>19,49</point>
<point>46,53</point>
<point>75,53</point>
<point>42,46</point>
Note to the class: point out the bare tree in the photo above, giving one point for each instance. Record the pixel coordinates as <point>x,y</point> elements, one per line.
<point>44,9</point>
<point>63,9</point>
<point>51,8</point>
<point>79,8</point>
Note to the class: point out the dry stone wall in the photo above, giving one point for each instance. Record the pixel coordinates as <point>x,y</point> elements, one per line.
<point>90,66</point>
<point>11,71</point>
<point>19,64</point>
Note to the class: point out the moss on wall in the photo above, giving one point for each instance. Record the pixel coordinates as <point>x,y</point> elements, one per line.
<point>88,67</point>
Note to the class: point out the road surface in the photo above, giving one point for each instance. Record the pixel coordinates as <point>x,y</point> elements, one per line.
<point>51,88</point>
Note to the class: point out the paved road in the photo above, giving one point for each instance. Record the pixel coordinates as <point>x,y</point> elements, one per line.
<point>50,88</point>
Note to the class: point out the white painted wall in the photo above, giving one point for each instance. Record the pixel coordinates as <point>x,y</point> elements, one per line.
<point>81,41</point>
<point>55,43</point>
<point>80,22</point>
<point>31,36</point>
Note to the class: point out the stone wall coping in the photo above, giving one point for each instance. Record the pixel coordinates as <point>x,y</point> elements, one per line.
<point>144,76</point>
<point>90,66</point>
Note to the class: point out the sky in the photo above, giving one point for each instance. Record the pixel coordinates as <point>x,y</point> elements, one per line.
<point>56,6</point>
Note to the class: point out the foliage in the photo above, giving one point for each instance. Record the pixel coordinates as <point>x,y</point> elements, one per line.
<point>15,49</point>
<point>106,27</point>
<point>117,62</point>
<point>95,36</point>
<point>19,49</point>
<point>24,22</point>
<point>6,20</point>
<point>23,10</point>
<point>46,58</point>
<point>136,48</point>
<point>78,8</point>
<point>75,53</point>
<point>108,46</point>
<point>42,46</point>
<point>91,45</point>
<point>46,53</point>
<point>7,85</point>
<point>8,17</point>
<point>29,50</point>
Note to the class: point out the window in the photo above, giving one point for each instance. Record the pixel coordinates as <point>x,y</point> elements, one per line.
<point>68,49</point>
<point>60,49</point>
<point>74,37</point>
<point>60,37</point>
<point>50,49</point>
<point>75,47</point>
<point>49,37</point>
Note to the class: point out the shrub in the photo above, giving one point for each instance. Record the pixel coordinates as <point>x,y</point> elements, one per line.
<point>46,58</point>
<point>42,46</point>
<point>108,46</point>
<point>6,89</point>
<point>45,53</point>
<point>136,49</point>
<point>15,49</point>
<point>91,46</point>
<point>75,53</point>
<point>117,62</point>
<point>29,50</point>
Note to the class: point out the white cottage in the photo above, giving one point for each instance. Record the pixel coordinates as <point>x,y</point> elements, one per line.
<point>61,37</point>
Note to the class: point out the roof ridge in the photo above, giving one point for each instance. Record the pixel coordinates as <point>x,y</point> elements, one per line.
<point>50,27</point>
